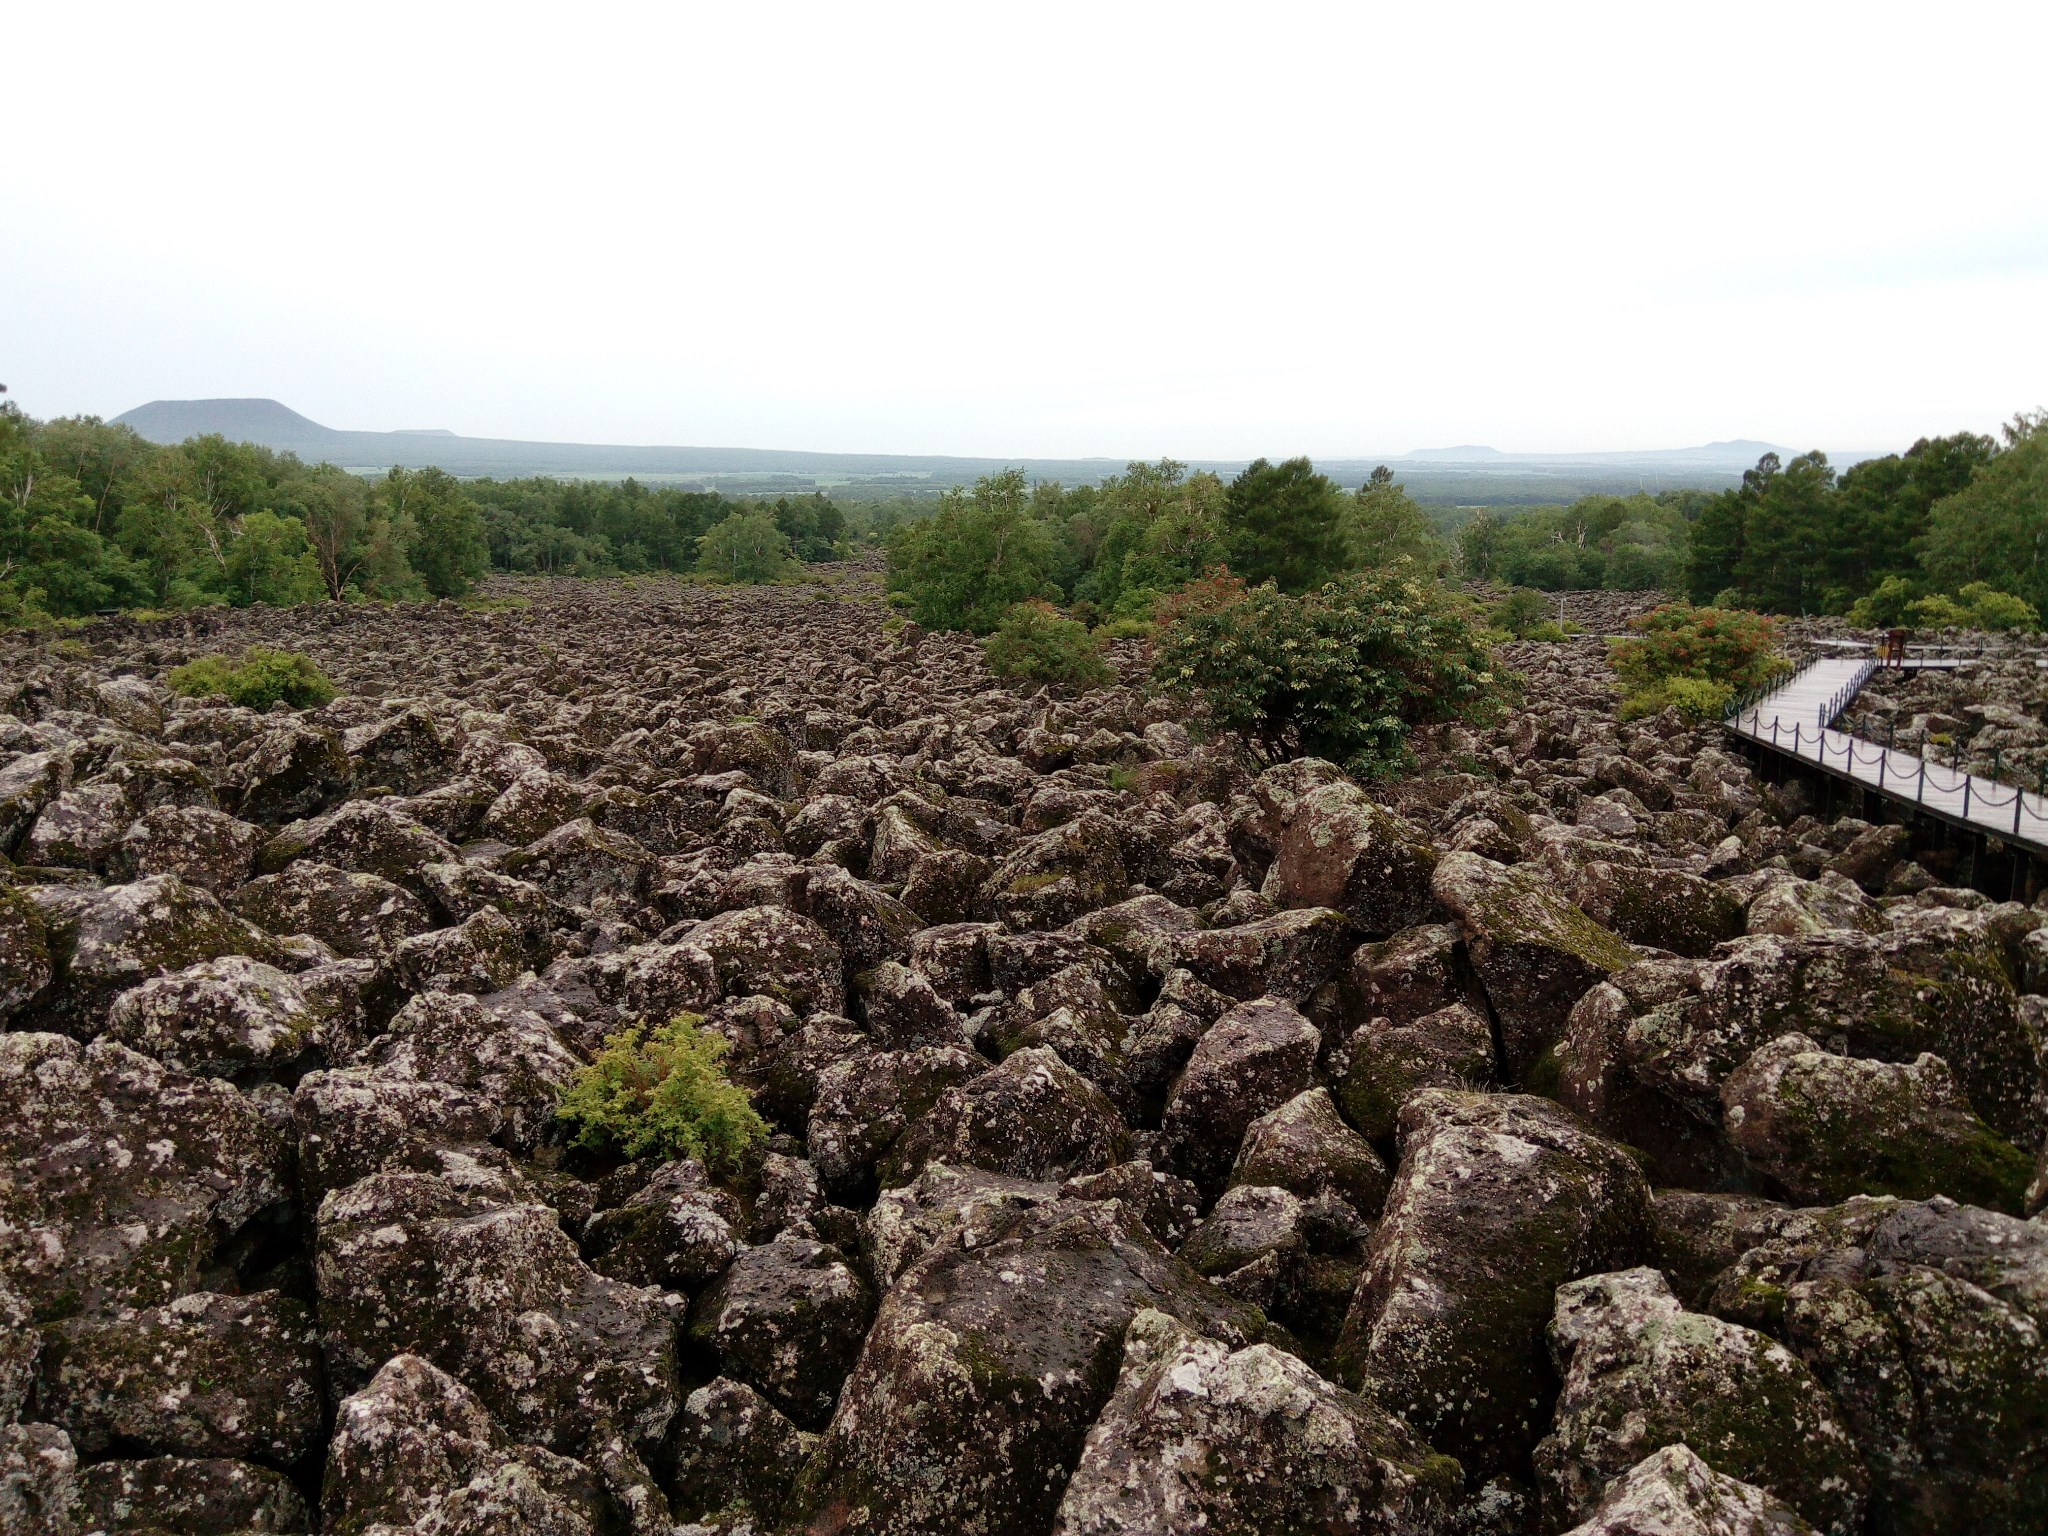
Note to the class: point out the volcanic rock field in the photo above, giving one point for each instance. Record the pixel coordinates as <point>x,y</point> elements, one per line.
<point>1578,1133</point>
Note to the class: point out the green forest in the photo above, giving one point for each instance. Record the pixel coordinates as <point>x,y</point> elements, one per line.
<point>93,517</point>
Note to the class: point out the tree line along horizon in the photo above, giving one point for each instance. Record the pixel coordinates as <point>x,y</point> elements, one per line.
<point>93,517</point>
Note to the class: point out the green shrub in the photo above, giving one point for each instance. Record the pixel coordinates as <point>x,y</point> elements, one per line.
<point>1697,699</point>
<point>747,547</point>
<point>1888,606</point>
<point>1341,673</point>
<point>1990,608</point>
<point>1722,645</point>
<point>1523,609</point>
<point>1938,611</point>
<point>1035,643</point>
<point>1127,629</point>
<point>979,555</point>
<point>661,1093</point>
<point>260,679</point>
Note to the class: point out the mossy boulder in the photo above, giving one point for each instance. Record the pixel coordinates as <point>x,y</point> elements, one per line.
<point>1340,849</point>
<point>25,967</point>
<point>1674,1493</point>
<point>1252,1060</point>
<point>1662,908</point>
<point>1822,1127</point>
<point>1305,1147</point>
<point>1384,1065</point>
<point>788,1319</point>
<point>1498,1200</point>
<point>1059,875</point>
<point>356,915</point>
<point>1033,1117</point>
<point>1245,1442</point>
<point>1535,953</point>
<point>1640,1372</point>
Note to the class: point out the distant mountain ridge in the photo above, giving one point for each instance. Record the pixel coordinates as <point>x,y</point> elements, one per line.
<point>1466,473</point>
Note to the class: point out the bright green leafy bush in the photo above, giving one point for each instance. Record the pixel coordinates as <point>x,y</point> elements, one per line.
<point>661,1092</point>
<point>261,678</point>
<point>1342,672</point>
<point>747,547</point>
<point>1697,699</point>
<point>1035,643</point>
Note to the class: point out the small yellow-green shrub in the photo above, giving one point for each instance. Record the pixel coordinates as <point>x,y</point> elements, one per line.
<point>1698,699</point>
<point>661,1092</point>
<point>1035,643</point>
<point>258,680</point>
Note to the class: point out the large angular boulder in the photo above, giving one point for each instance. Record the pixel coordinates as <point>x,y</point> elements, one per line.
<point>1536,954</point>
<point>864,1101</point>
<point>1640,1372</point>
<point>1059,875</point>
<point>508,1058</point>
<point>1674,1493</point>
<point>106,941</point>
<point>1305,1147</point>
<point>80,828</point>
<point>1033,1117</point>
<point>773,952</point>
<point>353,1122</point>
<point>677,1231</point>
<point>200,845</point>
<point>1244,1442</point>
<point>123,1179</point>
<point>207,1375</point>
<point>906,1223</point>
<point>416,1451</point>
<point>1662,908</point>
<point>1252,1060</point>
<point>1821,1127</point>
<point>1498,1200</point>
<point>869,926</point>
<point>1928,1323</point>
<point>531,806</point>
<point>289,771</point>
<point>235,1018</point>
<point>38,1481</point>
<point>1383,1065</point>
<point>355,915</point>
<point>497,1296</point>
<point>730,1450</point>
<point>1340,849</point>
<point>189,1496</point>
<point>403,754</point>
<point>1287,955</point>
<point>966,1412</point>
<point>585,866</point>
<point>788,1319</point>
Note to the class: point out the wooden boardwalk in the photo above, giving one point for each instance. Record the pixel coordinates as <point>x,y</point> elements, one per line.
<point>1798,718</point>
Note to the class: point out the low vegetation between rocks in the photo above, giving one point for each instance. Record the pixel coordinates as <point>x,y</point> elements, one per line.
<point>673,1059</point>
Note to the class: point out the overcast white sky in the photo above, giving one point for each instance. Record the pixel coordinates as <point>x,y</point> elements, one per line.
<point>1036,229</point>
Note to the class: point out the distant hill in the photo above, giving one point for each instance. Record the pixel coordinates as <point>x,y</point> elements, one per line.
<point>1467,475</point>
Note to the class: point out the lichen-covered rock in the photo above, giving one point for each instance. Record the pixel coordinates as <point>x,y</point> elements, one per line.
<point>1244,1442</point>
<point>496,1296</point>
<point>864,1102</point>
<point>1384,1065</point>
<point>207,1375</point>
<point>1033,1117</point>
<point>79,828</point>
<point>291,770</point>
<point>198,844</point>
<point>1674,1493</point>
<point>1250,1223</point>
<point>1498,1200</point>
<point>510,1059</point>
<point>1536,954</point>
<point>106,941</point>
<point>531,806</point>
<point>1418,971</point>
<point>1339,849</point>
<point>585,866</point>
<point>416,1451</point>
<point>1645,1056</point>
<point>353,1122</point>
<point>1287,955</point>
<point>867,924</point>
<point>774,953</point>
<point>677,1231</point>
<point>38,1482</point>
<point>235,1018</point>
<point>1699,1233</point>
<point>484,953</point>
<point>903,1010</point>
<point>403,754</point>
<point>1928,1322</point>
<point>1059,875</point>
<point>27,784</point>
<point>19,1347</point>
<point>905,1223</point>
<point>1795,908</point>
<point>1305,1147</point>
<point>25,967</point>
<point>1663,908</point>
<point>356,915</point>
<point>189,1496</point>
<point>788,1319</point>
<point>1823,1127</point>
<point>729,1450</point>
<point>1640,1373</point>
<point>122,1179</point>
<point>986,1365</point>
<point>1252,1060</point>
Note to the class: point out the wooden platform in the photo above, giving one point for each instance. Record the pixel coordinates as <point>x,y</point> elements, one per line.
<point>1797,720</point>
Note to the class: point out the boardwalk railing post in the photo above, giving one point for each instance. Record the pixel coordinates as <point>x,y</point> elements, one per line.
<point>1968,780</point>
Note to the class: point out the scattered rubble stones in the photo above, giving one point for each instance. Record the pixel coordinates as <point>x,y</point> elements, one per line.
<point>1566,1135</point>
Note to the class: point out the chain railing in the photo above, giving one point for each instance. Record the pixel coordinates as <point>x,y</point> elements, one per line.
<point>1980,804</point>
